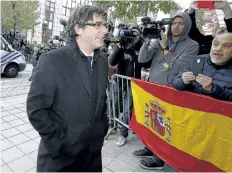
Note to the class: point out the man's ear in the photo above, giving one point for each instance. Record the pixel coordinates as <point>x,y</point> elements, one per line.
<point>77,30</point>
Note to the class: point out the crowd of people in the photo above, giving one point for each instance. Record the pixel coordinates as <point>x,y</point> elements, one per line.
<point>171,60</point>
<point>31,51</point>
<point>66,103</point>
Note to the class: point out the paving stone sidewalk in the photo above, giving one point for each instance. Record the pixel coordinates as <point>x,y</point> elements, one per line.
<point>19,141</point>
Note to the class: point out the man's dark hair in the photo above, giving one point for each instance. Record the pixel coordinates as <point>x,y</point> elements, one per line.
<point>81,16</point>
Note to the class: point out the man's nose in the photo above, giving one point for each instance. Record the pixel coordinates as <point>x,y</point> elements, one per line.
<point>104,30</point>
<point>219,48</point>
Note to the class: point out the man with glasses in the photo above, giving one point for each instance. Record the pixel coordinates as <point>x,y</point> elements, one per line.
<point>168,60</point>
<point>216,78</point>
<point>66,103</point>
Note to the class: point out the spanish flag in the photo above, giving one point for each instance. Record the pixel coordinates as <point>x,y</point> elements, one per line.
<point>190,132</point>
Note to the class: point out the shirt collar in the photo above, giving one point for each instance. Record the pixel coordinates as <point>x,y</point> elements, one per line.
<point>86,53</point>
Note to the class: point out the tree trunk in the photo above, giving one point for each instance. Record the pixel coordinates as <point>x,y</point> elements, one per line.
<point>144,8</point>
<point>141,13</point>
<point>15,26</point>
<point>15,18</point>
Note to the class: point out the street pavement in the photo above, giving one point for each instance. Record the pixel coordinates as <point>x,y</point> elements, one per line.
<point>19,141</point>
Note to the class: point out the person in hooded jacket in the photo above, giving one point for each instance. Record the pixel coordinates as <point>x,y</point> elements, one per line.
<point>168,59</point>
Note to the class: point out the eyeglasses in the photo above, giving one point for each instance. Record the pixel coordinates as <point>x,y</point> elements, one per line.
<point>178,23</point>
<point>98,25</point>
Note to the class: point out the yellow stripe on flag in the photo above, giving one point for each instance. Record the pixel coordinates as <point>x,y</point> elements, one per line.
<point>205,136</point>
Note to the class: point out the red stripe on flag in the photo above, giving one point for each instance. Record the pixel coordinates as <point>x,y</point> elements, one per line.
<point>186,99</point>
<point>174,157</point>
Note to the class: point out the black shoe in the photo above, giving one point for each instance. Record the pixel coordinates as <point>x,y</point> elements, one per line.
<point>144,153</point>
<point>150,164</point>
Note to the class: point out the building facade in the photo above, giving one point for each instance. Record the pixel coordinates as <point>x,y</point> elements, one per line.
<point>51,11</point>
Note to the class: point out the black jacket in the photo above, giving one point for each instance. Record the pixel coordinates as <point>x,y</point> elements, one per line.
<point>66,104</point>
<point>204,41</point>
<point>127,60</point>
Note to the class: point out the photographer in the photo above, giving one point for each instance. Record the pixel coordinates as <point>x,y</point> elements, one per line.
<point>205,41</point>
<point>126,57</point>
<point>167,62</point>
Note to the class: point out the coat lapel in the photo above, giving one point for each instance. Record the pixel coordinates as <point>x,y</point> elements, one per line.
<point>100,87</point>
<point>81,67</point>
<point>86,76</point>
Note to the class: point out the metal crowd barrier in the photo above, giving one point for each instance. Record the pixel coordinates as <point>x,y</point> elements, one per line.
<point>119,92</point>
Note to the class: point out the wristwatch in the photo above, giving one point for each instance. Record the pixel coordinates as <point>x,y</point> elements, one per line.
<point>165,50</point>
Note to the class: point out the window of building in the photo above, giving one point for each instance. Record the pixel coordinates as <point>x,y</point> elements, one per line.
<point>73,4</point>
<point>64,2</point>
<point>50,25</point>
<point>46,8</point>
<point>51,9</point>
<point>68,12</point>
<point>51,16</point>
<point>66,7</point>
<point>47,3</point>
<point>69,3</point>
<point>63,11</point>
<point>52,5</point>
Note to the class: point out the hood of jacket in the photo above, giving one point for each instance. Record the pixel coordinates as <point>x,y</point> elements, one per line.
<point>187,26</point>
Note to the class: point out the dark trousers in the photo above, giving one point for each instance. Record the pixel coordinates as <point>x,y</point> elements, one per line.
<point>156,159</point>
<point>28,58</point>
<point>88,160</point>
<point>128,101</point>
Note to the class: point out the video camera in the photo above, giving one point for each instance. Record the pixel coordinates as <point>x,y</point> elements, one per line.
<point>125,36</point>
<point>152,29</point>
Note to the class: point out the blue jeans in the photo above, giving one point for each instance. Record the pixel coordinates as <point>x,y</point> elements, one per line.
<point>113,94</point>
<point>28,58</point>
<point>127,107</point>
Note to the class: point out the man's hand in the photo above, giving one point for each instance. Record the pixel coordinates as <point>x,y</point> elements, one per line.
<point>112,69</point>
<point>225,7</point>
<point>193,6</point>
<point>187,77</point>
<point>164,40</point>
<point>154,43</point>
<point>205,81</point>
<point>221,4</point>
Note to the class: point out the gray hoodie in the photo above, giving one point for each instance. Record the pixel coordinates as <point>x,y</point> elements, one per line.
<point>164,68</point>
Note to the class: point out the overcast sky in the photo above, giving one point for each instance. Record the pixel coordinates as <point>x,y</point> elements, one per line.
<point>184,3</point>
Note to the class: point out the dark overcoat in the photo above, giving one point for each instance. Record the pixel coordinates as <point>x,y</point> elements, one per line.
<point>66,104</point>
